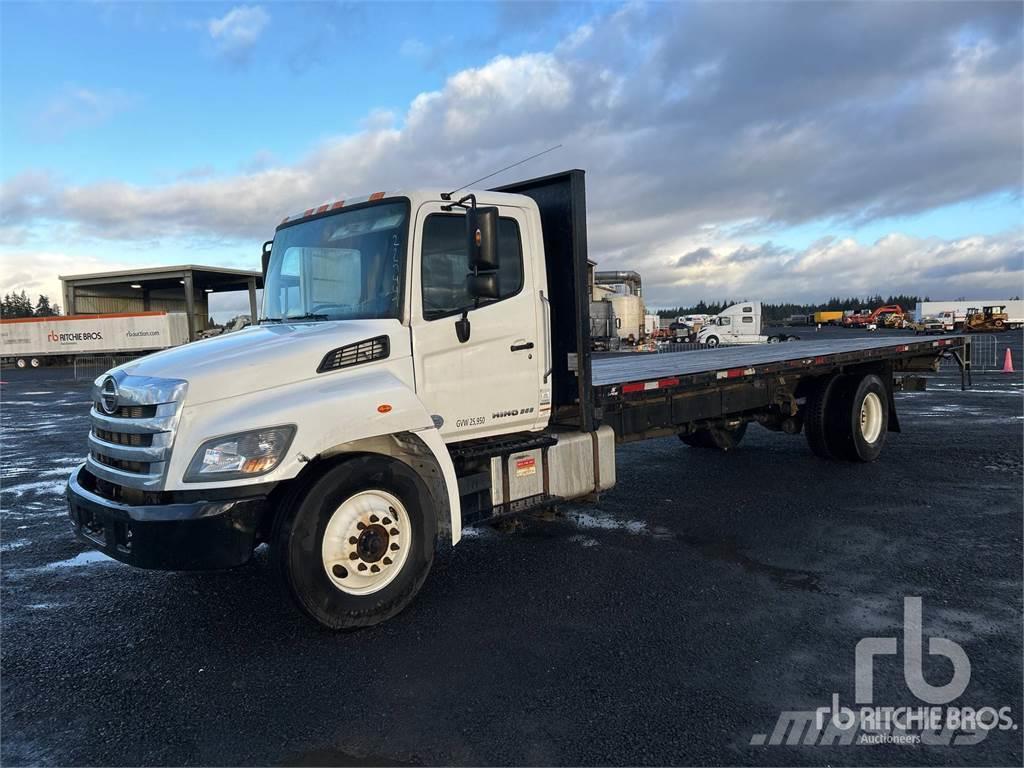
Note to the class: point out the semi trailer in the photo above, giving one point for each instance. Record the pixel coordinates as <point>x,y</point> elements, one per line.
<point>422,364</point>
<point>31,342</point>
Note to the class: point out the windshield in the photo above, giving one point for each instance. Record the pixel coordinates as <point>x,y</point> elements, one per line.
<point>347,266</point>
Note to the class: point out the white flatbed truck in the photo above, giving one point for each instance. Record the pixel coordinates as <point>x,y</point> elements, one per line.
<point>423,364</point>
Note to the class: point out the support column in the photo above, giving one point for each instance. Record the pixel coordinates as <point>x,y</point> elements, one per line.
<point>252,301</point>
<point>69,298</point>
<point>190,306</point>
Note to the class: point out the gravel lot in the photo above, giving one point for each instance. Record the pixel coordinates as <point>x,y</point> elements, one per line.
<point>668,624</point>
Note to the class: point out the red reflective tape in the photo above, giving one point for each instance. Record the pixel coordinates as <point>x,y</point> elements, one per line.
<point>734,373</point>
<point>819,360</point>
<point>337,205</point>
<point>662,383</point>
<point>904,348</point>
<point>376,195</point>
<point>626,388</point>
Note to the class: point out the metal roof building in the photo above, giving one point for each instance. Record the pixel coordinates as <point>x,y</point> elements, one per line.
<point>184,288</point>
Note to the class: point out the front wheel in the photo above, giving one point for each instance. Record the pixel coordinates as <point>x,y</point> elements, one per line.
<point>22,362</point>
<point>711,341</point>
<point>357,545</point>
<point>35,362</point>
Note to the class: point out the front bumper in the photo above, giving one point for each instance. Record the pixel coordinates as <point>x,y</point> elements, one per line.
<point>198,535</point>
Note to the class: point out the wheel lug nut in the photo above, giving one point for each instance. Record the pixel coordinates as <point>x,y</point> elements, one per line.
<point>387,561</point>
<point>362,566</point>
<point>374,519</point>
<point>392,510</point>
<point>374,569</point>
<point>353,555</point>
<point>394,547</point>
<point>340,571</point>
<point>353,540</point>
<point>386,521</point>
<point>393,532</point>
<point>360,525</point>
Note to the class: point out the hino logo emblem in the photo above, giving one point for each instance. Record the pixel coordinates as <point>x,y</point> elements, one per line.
<point>108,395</point>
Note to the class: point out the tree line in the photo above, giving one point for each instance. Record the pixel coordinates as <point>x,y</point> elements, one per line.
<point>20,305</point>
<point>777,312</point>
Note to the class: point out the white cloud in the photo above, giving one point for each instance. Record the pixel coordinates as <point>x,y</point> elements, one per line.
<point>687,124</point>
<point>75,107</point>
<point>36,272</point>
<point>237,32</point>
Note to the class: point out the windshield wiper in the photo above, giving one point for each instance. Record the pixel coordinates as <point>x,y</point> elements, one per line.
<point>307,316</point>
<point>271,320</point>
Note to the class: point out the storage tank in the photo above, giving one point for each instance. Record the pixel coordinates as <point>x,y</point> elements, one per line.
<point>628,314</point>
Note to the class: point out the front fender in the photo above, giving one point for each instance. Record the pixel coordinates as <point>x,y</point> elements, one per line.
<point>329,411</point>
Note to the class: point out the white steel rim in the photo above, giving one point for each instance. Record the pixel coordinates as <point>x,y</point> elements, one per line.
<point>34,362</point>
<point>21,363</point>
<point>871,417</point>
<point>366,542</point>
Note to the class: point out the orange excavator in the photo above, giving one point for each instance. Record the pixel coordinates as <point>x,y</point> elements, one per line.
<point>891,315</point>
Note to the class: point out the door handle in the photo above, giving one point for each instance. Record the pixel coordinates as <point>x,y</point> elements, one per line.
<point>521,347</point>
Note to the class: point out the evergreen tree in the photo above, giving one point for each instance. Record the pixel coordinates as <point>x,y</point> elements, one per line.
<point>43,308</point>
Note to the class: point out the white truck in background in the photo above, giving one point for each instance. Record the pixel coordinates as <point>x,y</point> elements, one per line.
<point>933,310</point>
<point>738,324</point>
<point>31,342</point>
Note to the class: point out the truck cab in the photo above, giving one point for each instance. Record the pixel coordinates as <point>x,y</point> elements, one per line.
<point>738,324</point>
<point>400,334</point>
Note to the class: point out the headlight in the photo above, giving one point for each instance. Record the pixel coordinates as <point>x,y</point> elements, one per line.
<point>246,454</point>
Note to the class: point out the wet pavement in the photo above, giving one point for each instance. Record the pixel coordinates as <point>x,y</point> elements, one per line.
<point>671,623</point>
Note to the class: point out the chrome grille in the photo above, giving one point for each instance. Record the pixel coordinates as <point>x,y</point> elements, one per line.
<point>131,437</point>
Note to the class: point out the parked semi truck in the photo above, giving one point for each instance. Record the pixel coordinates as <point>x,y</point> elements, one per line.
<point>422,364</point>
<point>31,342</point>
<point>738,324</point>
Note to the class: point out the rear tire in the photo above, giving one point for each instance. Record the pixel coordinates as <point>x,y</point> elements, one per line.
<point>356,546</point>
<point>861,419</point>
<point>22,362</point>
<point>34,362</point>
<point>816,417</point>
<point>716,438</point>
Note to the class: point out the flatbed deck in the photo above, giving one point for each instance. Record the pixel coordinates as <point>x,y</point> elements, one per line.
<point>623,369</point>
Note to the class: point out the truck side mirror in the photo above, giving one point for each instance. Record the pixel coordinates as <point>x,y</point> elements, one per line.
<point>482,238</point>
<point>482,286</point>
<point>266,256</point>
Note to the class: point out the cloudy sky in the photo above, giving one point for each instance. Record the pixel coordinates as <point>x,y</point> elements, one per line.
<point>786,151</point>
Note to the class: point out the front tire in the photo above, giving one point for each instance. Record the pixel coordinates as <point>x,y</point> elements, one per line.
<point>355,548</point>
<point>711,341</point>
<point>22,362</point>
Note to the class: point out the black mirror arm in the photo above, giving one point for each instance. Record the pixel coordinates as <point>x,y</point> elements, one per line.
<point>462,327</point>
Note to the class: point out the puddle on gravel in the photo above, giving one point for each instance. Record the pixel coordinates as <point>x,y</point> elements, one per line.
<point>91,557</point>
<point>729,551</point>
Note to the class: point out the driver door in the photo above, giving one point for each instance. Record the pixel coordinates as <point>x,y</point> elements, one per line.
<point>490,384</point>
